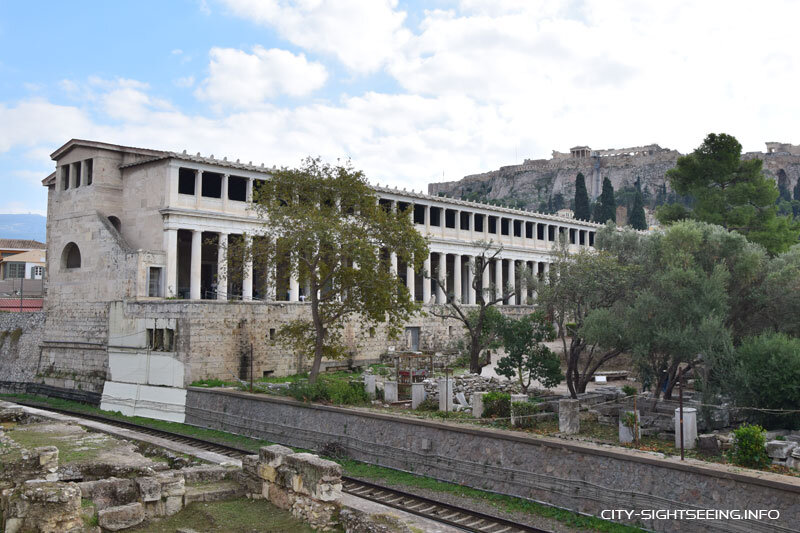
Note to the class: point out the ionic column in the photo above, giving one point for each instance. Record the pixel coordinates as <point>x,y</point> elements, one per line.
<point>427,219</point>
<point>458,225</point>
<point>426,279</point>
<point>222,267</point>
<point>171,275</point>
<point>249,192</point>
<point>198,187</point>
<point>523,283</point>
<point>486,228</point>
<point>194,278</point>
<point>546,271</point>
<point>247,274</point>
<point>393,263</point>
<point>472,226</point>
<point>512,282</point>
<point>498,277</point>
<point>470,280</point>
<point>441,292</point>
<point>511,230</point>
<point>294,285</point>
<point>225,191</point>
<point>410,282</point>
<point>457,266</point>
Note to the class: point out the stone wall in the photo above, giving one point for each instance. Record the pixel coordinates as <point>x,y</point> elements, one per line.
<point>570,474</point>
<point>21,335</point>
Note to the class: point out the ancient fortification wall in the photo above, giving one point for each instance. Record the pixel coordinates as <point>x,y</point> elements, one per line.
<point>535,181</point>
<point>575,475</point>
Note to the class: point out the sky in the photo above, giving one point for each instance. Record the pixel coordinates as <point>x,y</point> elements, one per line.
<point>412,92</point>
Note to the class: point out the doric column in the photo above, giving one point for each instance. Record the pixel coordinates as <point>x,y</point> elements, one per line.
<point>498,277</point>
<point>458,225</point>
<point>247,273</point>
<point>427,220</point>
<point>171,275</point>
<point>470,299</point>
<point>511,230</point>
<point>426,280</point>
<point>523,283</point>
<point>472,226</point>
<point>222,267</point>
<point>194,279</point>
<point>457,266</point>
<point>441,275</point>
<point>486,228</point>
<point>546,271</point>
<point>294,285</point>
<point>512,281</point>
<point>225,191</point>
<point>485,280</point>
<point>410,282</point>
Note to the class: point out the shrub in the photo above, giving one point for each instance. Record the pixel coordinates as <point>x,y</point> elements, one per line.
<point>748,447</point>
<point>346,393</point>
<point>525,410</point>
<point>428,404</point>
<point>306,392</point>
<point>497,404</point>
<point>629,391</point>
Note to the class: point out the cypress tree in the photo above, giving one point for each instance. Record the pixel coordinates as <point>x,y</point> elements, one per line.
<point>581,199</point>
<point>608,206</point>
<point>638,219</point>
<point>797,190</point>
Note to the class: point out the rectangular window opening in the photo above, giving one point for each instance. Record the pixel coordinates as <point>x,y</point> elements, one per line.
<point>464,222</point>
<point>479,220</point>
<point>272,334</point>
<point>540,231</point>
<point>186,178</point>
<point>154,282</point>
<point>65,176</point>
<point>77,172</point>
<point>237,188</point>
<point>89,171</point>
<point>529,230</point>
<point>517,228</point>
<point>150,338</point>
<point>449,218</point>
<point>169,339</point>
<point>212,185</point>
<point>504,226</point>
<point>492,224</point>
<point>419,214</point>
<point>436,216</point>
<point>158,340</point>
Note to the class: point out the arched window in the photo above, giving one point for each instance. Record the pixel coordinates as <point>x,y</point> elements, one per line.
<point>71,256</point>
<point>115,222</point>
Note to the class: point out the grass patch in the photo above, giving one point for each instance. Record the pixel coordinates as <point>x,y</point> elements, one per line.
<point>71,448</point>
<point>211,383</point>
<point>231,516</point>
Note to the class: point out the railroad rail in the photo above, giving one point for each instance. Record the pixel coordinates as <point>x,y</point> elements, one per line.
<point>453,515</point>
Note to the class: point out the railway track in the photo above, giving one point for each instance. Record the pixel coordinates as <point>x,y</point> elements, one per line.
<point>458,517</point>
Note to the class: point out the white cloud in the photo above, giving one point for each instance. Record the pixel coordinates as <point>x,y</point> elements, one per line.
<point>362,34</point>
<point>239,79</point>
<point>187,81</point>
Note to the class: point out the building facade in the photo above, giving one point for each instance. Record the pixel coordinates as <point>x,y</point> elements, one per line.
<point>136,294</point>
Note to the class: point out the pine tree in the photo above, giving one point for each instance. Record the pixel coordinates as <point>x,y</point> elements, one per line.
<point>581,199</point>
<point>608,206</point>
<point>638,220</point>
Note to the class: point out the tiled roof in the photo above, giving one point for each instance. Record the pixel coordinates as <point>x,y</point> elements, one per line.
<point>21,244</point>
<point>211,160</point>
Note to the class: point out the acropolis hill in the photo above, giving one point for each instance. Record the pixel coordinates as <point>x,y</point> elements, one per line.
<point>536,180</point>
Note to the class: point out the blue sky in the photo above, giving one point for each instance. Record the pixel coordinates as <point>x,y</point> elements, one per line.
<point>413,92</point>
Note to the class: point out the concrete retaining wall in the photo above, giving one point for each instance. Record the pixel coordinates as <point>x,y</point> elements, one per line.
<point>580,476</point>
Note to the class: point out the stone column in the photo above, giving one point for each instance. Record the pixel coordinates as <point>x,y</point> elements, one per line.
<point>485,280</point>
<point>470,299</point>
<point>194,278</point>
<point>458,223</point>
<point>569,421</point>
<point>222,267</point>
<point>498,278</point>
<point>523,283</point>
<point>225,191</point>
<point>410,285</point>
<point>426,280</point>
<point>249,192</point>
<point>171,274</point>
<point>546,271</point>
<point>247,274</point>
<point>689,428</point>
<point>472,226</point>
<point>389,391</point>
<point>511,230</point>
<point>427,219</point>
<point>441,292</point>
<point>446,394</point>
<point>417,394</point>
<point>294,285</point>
<point>198,187</point>
<point>393,262</point>
<point>457,266</point>
<point>512,281</point>
<point>477,404</point>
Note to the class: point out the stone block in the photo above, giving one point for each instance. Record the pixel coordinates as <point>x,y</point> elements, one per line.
<point>689,428</point>
<point>172,505</point>
<point>477,404</point>
<point>204,473</point>
<point>390,391</point>
<point>153,509</point>
<point>445,394</point>
<point>48,458</point>
<point>625,431</point>
<point>250,465</point>
<point>172,484</point>
<point>417,394</point>
<point>780,449</point>
<point>369,384</point>
<point>110,492</point>
<point>313,475</point>
<point>708,442</point>
<point>267,472</point>
<point>149,489</point>
<point>121,517</point>
<point>273,455</point>
<point>569,421</point>
<point>280,497</point>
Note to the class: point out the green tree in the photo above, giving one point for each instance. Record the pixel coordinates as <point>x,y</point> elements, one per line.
<point>638,219</point>
<point>670,213</point>
<point>607,209</point>
<point>581,199</point>
<point>328,220</point>
<point>527,359</point>
<point>733,193</point>
<point>578,296</point>
<point>482,322</point>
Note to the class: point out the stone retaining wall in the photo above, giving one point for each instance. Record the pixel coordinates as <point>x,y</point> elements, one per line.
<point>580,476</point>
